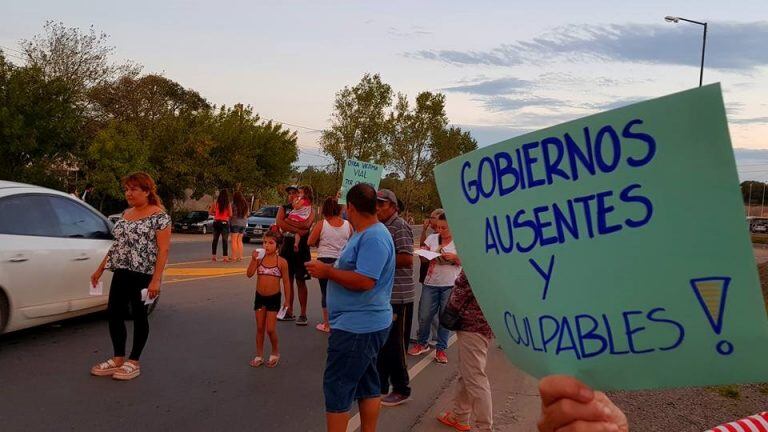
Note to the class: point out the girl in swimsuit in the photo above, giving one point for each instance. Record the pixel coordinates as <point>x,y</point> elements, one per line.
<point>269,271</point>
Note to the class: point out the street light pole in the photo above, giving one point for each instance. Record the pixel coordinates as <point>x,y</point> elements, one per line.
<point>675,20</point>
<point>703,47</point>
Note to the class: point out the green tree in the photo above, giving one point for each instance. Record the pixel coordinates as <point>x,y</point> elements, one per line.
<point>324,183</point>
<point>447,144</point>
<point>39,128</point>
<point>116,151</point>
<point>249,153</point>
<point>192,144</point>
<point>411,138</point>
<point>81,60</point>
<point>359,123</point>
<point>175,124</point>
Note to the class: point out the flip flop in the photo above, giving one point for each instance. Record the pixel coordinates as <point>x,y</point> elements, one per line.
<point>256,362</point>
<point>273,360</point>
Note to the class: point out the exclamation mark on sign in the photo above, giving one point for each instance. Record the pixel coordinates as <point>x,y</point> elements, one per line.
<point>712,293</point>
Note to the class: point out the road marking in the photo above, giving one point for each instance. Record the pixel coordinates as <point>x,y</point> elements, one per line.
<point>354,422</point>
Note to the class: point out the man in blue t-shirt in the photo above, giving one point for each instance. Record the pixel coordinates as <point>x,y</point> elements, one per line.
<point>359,291</point>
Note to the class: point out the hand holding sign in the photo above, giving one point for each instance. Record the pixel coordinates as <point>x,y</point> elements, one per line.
<point>358,172</point>
<point>617,247</point>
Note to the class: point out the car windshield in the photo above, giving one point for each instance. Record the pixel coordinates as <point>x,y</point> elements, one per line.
<point>196,215</point>
<point>267,212</point>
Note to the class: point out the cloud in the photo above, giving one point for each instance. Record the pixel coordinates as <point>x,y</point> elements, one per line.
<point>730,46</point>
<point>505,103</point>
<point>492,87</point>
<point>491,134</point>
<point>616,103</point>
<point>733,108</point>
<point>753,120</point>
<point>413,31</point>
<point>502,56</point>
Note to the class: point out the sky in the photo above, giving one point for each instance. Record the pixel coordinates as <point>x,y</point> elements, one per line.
<point>506,68</point>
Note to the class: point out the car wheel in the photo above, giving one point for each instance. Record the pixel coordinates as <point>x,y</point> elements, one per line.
<point>205,229</point>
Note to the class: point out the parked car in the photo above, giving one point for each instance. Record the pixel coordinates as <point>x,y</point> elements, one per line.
<point>50,244</point>
<point>259,222</point>
<point>195,222</point>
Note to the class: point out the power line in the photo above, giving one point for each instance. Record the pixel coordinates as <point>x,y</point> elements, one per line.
<point>308,153</point>
<point>295,125</point>
<point>11,55</point>
<point>5,48</point>
<point>315,166</point>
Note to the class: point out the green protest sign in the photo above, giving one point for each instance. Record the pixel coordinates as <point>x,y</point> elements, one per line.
<point>356,172</point>
<point>614,247</point>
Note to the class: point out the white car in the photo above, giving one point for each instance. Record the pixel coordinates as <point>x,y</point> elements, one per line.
<point>50,244</point>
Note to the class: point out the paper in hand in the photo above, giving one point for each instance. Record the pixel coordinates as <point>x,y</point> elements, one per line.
<point>261,253</point>
<point>145,297</point>
<point>96,290</point>
<point>427,254</point>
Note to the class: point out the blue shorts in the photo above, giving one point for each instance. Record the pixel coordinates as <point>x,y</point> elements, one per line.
<point>350,371</point>
<point>236,229</point>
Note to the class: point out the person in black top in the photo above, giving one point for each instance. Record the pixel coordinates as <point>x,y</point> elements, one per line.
<point>295,258</point>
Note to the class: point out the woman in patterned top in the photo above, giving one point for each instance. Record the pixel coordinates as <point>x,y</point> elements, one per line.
<point>137,259</point>
<point>473,395</point>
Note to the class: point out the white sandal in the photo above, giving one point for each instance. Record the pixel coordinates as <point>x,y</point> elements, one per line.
<point>127,371</point>
<point>107,368</point>
<point>273,361</point>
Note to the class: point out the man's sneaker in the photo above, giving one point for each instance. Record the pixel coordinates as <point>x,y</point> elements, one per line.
<point>419,349</point>
<point>301,320</point>
<point>441,357</point>
<point>394,399</point>
<point>448,419</point>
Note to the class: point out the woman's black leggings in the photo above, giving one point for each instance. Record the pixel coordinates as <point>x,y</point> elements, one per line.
<point>126,289</point>
<point>220,228</point>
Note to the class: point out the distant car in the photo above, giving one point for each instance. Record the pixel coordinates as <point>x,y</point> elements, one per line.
<point>259,222</point>
<point>195,222</point>
<point>50,244</point>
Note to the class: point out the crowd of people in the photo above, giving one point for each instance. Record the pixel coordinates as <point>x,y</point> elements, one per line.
<point>365,267</point>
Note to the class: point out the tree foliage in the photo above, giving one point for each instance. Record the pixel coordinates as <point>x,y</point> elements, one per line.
<point>359,123</point>
<point>80,60</point>
<point>70,108</point>
<point>39,126</point>
<point>409,139</point>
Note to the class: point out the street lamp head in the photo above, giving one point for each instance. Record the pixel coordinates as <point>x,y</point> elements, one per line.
<point>672,19</point>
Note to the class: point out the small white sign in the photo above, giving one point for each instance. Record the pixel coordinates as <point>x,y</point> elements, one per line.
<point>145,297</point>
<point>427,254</point>
<point>96,290</point>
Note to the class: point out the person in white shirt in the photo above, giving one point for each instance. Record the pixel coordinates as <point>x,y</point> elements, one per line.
<point>441,275</point>
<point>330,236</point>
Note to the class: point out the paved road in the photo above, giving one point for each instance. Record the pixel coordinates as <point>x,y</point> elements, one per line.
<point>195,373</point>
